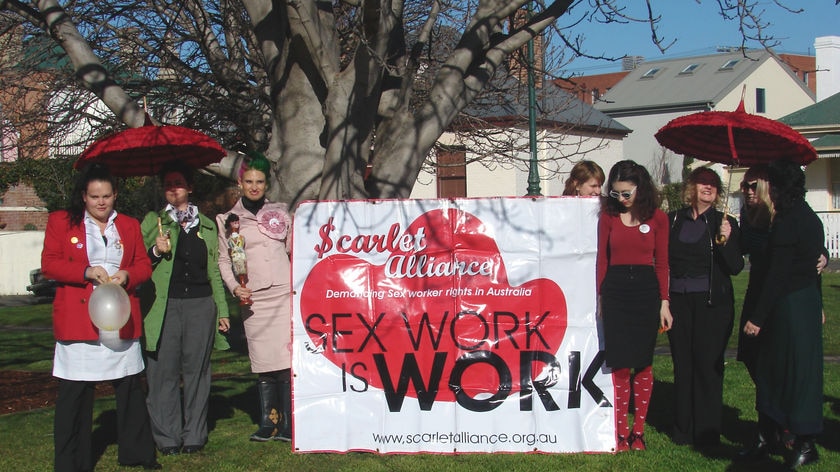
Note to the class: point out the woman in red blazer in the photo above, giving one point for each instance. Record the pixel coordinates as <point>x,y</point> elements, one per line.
<point>84,246</point>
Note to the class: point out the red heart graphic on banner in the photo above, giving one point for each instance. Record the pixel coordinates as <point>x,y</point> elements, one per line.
<point>439,319</point>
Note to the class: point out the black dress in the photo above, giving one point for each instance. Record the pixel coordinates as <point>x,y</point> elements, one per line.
<point>789,371</point>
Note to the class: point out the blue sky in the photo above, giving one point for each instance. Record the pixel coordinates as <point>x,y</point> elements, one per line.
<point>698,29</point>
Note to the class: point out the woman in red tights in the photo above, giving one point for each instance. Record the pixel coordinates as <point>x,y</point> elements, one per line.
<point>633,291</point>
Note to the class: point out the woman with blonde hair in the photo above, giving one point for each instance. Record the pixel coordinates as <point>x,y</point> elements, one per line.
<point>585,180</point>
<point>787,321</point>
<point>755,230</point>
<point>756,217</point>
<point>704,253</point>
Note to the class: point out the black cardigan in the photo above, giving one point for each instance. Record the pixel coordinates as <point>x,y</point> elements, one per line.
<point>726,259</point>
<point>796,241</point>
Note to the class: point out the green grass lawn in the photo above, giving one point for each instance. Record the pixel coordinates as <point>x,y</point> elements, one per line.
<point>27,437</point>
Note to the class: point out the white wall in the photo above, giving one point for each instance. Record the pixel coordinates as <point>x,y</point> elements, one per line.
<point>817,182</point>
<point>20,252</point>
<point>642,147</point>
<point>81,129</point>
<point>827,52</point>
<point>558,153</point>
<point>784,93</point>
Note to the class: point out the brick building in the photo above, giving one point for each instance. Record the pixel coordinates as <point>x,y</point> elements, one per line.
<point>21,209</point>
<point>22,90</point>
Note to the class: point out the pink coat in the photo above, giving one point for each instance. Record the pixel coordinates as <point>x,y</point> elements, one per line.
<point>266,255</point>
<point>267,322</point>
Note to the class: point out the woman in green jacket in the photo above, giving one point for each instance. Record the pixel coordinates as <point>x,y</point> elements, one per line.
<point>185,320</point>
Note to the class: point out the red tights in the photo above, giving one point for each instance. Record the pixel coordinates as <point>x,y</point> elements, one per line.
<point>642,388</point>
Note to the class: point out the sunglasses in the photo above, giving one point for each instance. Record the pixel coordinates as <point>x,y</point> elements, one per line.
<point>749,186</point>
<point>624,195</point>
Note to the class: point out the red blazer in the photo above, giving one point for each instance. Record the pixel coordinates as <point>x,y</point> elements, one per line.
<point>64,259</point>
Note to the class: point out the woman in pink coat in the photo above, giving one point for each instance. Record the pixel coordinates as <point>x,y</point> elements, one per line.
<point>266,304</point>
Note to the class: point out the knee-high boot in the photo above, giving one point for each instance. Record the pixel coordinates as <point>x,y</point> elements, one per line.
<point>285,424</point>
<point>269,412</point>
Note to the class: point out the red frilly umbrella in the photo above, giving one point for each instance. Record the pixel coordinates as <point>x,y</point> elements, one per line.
<point>735,138</point>
<point>144,150</point>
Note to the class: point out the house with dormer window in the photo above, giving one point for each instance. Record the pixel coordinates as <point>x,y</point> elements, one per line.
<point>656,92</point>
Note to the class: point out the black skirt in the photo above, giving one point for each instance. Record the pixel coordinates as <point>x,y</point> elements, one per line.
<point>630,306</point>
<point>789,381</point>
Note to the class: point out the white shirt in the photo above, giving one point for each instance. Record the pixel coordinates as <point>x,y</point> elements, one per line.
<point>109,358</point>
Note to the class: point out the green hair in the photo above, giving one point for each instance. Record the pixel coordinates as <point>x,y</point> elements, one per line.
<point>256,161</point>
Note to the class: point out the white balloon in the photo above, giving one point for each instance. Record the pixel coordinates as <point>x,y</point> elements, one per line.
<point>111,340</point>
<point>109,307</point>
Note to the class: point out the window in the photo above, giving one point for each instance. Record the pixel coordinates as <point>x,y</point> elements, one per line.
<point>689,69</point>
<point>451,172</point>
<point>730,64</point>
<point>650,73</point>
<point>834,172</point>
<point>760,104</point>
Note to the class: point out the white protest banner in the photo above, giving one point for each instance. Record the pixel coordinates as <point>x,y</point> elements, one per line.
<point>448,326</point>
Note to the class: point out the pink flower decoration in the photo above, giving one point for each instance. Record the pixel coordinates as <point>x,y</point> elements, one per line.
<point>274,223</point>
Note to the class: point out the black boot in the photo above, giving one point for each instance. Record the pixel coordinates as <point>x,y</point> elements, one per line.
<point>804,452</point>
<point>269,413</point>
<point>285,424</point>
<point>769,441</point>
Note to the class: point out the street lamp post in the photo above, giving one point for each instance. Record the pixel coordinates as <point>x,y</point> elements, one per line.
<point>533,169</point>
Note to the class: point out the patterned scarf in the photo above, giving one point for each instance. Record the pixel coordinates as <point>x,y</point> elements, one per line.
<point>188,218</point>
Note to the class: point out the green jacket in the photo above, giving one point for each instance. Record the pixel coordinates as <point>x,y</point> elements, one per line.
<point>162,271</point>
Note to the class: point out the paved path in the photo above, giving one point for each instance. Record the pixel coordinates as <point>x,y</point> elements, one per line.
<point>21,300</point>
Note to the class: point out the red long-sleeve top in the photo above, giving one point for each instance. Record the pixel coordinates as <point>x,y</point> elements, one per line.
<point>645,244</point>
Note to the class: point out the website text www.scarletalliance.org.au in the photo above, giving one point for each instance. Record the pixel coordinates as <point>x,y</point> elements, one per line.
<point>531,439</point>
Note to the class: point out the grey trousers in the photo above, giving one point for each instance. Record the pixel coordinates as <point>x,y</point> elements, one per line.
<point>183,355</point>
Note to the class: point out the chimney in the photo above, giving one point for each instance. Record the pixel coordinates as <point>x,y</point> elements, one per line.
<point>518,61</point>
<point>827,51</point>
<point>631,62</point>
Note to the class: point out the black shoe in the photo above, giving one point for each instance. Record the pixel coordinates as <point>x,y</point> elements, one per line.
<point>804,452</point>
<point>154,465</point>
<point>192,449</point>
<point>769,443</point>
<point>169,451</point>
<point>759,452</point>
<point>637,442</point>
